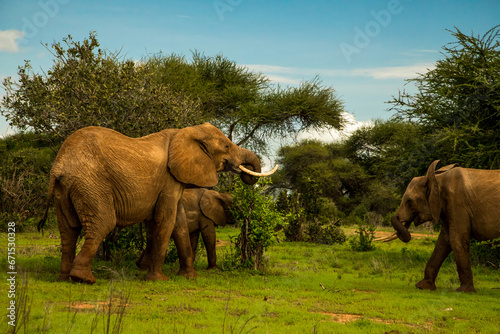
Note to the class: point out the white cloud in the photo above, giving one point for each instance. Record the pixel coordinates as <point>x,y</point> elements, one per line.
<point>8,40</point>
<point>273,69</point>
<point>394,72</point>
<point>283,80</point>
<point>352,124</point>
<point>291,75</point>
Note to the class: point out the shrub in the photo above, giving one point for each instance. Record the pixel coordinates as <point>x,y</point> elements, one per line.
<point>486,253</point>
<point>330,234</point>
<point>363,241</point>
<point>25,163</point>
<point>256,213</point>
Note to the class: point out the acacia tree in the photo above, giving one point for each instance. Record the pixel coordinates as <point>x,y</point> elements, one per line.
<point>458,102</point>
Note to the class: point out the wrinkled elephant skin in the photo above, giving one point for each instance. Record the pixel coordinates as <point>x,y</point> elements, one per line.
<point>466,201</point>
<point>101,179</point>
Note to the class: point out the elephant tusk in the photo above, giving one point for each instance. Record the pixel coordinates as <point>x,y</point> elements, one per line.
<point>248,171</point>
<point>391,237</point>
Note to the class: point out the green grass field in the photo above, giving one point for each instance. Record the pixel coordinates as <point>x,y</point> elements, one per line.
<point>306,288</point>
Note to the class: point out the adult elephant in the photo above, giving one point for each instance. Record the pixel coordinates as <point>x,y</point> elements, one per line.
<point>467,203</point>
<point>101,179</point>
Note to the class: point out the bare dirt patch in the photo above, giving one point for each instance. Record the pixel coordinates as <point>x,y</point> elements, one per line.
<point>221,243</point>
<point>380,234</point>
<point>346,317</point>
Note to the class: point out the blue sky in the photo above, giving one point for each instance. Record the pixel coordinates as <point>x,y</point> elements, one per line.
<point>363,49</point>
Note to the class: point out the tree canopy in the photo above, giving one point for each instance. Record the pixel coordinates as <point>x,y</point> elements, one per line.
<point>458,102</point>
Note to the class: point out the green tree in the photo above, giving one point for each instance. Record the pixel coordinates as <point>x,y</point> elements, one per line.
<point>89,86</point>
<point>392,151</point>
<point>245,105</point>
<point>318,170</point>
<point>458,102</point>
<point>25,161</point>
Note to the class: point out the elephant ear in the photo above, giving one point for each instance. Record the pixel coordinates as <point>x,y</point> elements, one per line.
<point>189,159</point>
<point>433,192</point>
<point>211,205</point>
<point>446,168</point>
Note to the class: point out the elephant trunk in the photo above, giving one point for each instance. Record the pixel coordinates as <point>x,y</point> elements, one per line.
<point>402,230</point>
<point>250,161</point>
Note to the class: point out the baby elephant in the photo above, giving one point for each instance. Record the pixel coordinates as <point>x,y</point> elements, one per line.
<point>205,209</point>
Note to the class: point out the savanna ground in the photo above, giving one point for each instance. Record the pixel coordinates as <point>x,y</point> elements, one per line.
<point>306,288</point>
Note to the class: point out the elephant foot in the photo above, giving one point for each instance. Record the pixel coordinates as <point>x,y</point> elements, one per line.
<point>466,288</point>
<point>426,285</point>
<point>144,261</point>
<point>82,276</point>
<point>212,266</point>
<point>188,273</point>
<point>143,264</point>
<point>63,277</point>
<point>155,276</point>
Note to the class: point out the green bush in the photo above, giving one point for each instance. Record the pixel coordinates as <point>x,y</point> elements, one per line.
<point>486,253</point>
<point>363,241</point>
<point>25,162</point>
<point>330,234</point>
<point>256,213</point>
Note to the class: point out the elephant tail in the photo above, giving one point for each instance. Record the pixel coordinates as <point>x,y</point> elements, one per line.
<point>52,181</point>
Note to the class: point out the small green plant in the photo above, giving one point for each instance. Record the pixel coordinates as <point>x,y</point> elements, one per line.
<point>363,240</point>
<point>256,212</point>
<point>331,233</point>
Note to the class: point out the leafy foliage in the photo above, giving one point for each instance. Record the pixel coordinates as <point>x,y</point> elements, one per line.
<point>458,102</point>
<point>363,240</point>
<point>25,161</point>
<point>256,213</point>
<point>89,86</point>
<point>330,184</point>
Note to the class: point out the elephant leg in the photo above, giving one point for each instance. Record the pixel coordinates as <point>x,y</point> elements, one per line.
<point>460,243</point>
<point>69,237</point>
<point>440,253</point>
<point>96,228</point>
<point>165,217</point>
<point>182,241</point>
<point>194,237</point>
<point>208,235</point>
<point>144,260</point>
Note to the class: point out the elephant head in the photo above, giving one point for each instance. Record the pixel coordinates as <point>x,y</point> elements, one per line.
<point>215,206</point>
<point>198,153</point>
<point>421,203</point>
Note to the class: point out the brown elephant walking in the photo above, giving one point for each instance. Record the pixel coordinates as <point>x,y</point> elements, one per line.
<point>466,201</point>
<point>101,179</point>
